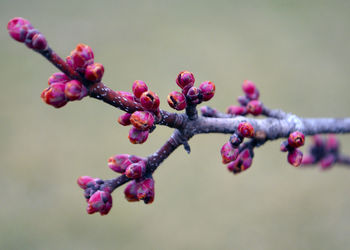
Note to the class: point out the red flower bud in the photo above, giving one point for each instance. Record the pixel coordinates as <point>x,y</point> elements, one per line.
<point>194,95</point>
<point>130,191</point>
<point>83,181</point>
<point>254,96</point>
<point>142,120</point>
<point>124,119</point>
<point>18,28</point>
<point>80,57</point>
<point>94,72</point>
<point>145,191</point>
<point>177,100</point>
<point>58,77</point>
<point>137,136</point>
<point>185,78</point>
<point>75,90</point>
<point>254,107</point>
<point>295,157</point>
<point>236,110</point>
<point>149,101</point>
<point>101,202</point>
<point>208,90</point>
<point>228,153</point>
<point>54,95</point>
<point>119,163</point>
<point>136,170</point>
<point>39,42</point>
<point>248,87</point>
<point>296,139</point>
<point>246,159</point>
<point>245,129</point>
<point>138,87</point>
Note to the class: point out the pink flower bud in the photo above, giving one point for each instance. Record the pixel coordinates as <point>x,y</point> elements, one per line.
<point>245,129</point>
<point>94,72</point>
<point>124,119</point>
<point>54,95</point>
<point>101,202</point>
<point>136,170</point>
<point>228,153</point>
<point>83,181</point>
<point>296,139</point>
<point>236,110</point>
<point>295,157</point>
<point>332,143</point>
<point>80,57</point>
<point>119,163</point>
<point>145,191</point>
<point>208,90</point>
<point>177,100</point>
<point>18,28</point>
<point>248,87</point>
<point>185,78</point>
<point>58,77</point>
<point>327,162</point>
<point>75,90</point>
<point>194,95</point>
<point>137,136</point>
<point>149,101</point>
<point>246,159</point>
<point>130,191</point>
<point>138,87</point>
<point>254,107</point>
<point>318,141</point>
<point>142,120</point>
<point>308,160</point>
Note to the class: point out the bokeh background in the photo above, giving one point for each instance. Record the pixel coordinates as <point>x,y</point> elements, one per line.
<point>296,51</point>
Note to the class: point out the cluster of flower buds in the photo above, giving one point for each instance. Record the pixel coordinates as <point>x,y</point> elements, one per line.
<point>140,189</point>
<point>22,31</point>
<point>97,194</point>
<point>190,94</point>
<point>132,166</point>
<point>62,89</point>
<point>142,121</point>
<point>295,140</point>
<point>323,151</point>
<point>238,158</point>
<point>249,103</point>
<point>81,59</point>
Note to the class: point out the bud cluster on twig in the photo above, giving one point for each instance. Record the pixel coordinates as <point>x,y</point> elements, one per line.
<point>80,76</point>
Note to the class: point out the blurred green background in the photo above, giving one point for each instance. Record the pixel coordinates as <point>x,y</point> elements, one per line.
<point>296,51</point>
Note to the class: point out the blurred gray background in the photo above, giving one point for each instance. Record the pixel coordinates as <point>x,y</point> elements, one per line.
<point>296,51</point>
